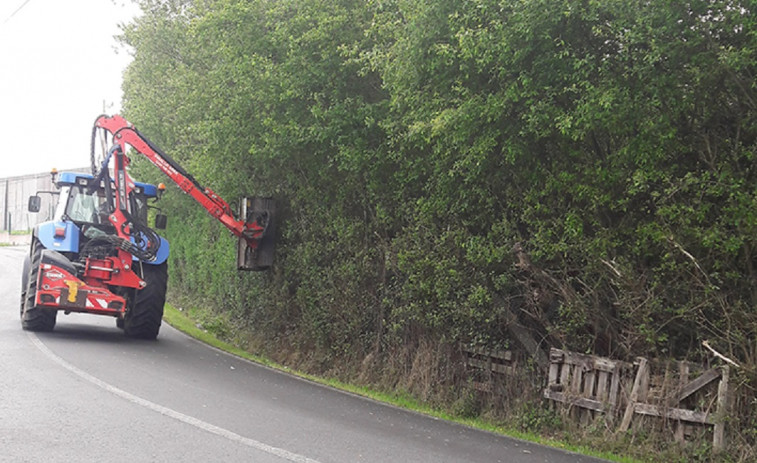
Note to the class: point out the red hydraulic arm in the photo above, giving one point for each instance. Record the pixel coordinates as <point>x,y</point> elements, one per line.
<point>124,133</point>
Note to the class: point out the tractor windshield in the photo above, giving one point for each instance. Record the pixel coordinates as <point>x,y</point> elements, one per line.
<point>93,207</point>
<point>85,206</point>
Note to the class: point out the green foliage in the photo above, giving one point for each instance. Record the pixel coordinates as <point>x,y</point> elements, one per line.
<point>439,166</point>
<point>538,418</point>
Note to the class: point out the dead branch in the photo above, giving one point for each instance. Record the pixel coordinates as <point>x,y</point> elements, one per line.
<point>706,344</point>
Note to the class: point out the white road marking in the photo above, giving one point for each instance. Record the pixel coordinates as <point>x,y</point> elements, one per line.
<point>213,429</point>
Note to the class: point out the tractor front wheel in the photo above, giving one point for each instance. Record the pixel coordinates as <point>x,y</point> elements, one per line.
<point>142,320</point>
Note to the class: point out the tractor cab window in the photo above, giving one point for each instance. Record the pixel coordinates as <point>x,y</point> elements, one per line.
<point>86,206</point>
<point>81,205</point>
<point>139,207</point>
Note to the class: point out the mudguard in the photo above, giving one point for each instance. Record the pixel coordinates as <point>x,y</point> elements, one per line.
<point>65,240</point>
<point>162,254</point>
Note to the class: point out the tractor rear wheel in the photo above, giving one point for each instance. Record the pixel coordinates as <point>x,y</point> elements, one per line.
<point>25,281</point>
<point>142,320</point>
<point>34,318</point>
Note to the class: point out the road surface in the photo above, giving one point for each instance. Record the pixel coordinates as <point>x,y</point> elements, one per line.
<point>87,393</point>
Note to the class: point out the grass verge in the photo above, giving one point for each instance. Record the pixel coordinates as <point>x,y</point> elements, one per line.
<point>181,321</point>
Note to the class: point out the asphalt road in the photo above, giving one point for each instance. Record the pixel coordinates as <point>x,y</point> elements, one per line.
<point>86,393</point>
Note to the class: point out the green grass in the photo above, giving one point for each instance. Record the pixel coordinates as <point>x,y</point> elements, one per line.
<point>15,233</point>
<point>179,320</point>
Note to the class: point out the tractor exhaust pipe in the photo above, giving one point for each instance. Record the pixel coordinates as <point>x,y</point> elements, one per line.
<point>263,212</point>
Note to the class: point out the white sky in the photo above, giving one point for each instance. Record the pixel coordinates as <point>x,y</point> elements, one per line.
<point>59,64</point>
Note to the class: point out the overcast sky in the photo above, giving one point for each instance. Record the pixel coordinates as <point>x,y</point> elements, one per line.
<point>59,64</point>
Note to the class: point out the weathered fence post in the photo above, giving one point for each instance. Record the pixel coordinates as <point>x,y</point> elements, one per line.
<point>638,393</point>
<point>723,411</point>
<point>683,378</point>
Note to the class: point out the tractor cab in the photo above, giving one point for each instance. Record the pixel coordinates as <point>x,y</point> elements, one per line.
<point>83,210</point>
<point>82,203</point>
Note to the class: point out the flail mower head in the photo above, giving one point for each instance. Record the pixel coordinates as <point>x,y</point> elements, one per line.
<point>257,256</point>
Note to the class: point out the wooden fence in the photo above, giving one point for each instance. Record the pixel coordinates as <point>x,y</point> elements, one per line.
<point>487,364</point>
<point>665,400</point>
<point>602,385</point>
<point>587,382</point>
<point>680,393</point>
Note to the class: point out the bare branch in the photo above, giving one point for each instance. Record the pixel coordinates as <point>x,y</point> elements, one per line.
<point>706,344</point>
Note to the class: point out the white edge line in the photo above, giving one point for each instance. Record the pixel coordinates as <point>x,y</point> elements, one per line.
<point>197,423</point>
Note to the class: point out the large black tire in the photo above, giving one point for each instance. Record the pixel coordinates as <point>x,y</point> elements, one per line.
<point>142,320</point>
<point>35,318</point>
<point>25,281</point>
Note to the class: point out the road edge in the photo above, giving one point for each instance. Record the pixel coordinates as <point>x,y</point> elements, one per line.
<point>180,321</point>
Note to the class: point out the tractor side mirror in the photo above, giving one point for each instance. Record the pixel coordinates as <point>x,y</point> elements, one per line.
<point>160,221</point>
<point>35,203</point>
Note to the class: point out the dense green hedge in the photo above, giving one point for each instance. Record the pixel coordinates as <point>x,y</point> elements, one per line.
<point>588,166</point>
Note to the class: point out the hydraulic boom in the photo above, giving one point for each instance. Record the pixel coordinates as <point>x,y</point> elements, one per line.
<point>251,228</point>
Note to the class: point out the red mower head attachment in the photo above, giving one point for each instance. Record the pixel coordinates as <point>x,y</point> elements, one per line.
<point>255,246</point>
